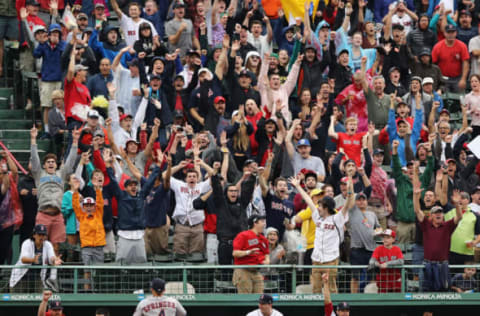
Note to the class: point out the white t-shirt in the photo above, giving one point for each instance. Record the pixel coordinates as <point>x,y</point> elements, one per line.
<point>125,83</point>
<point>159,305</point>
<point>257,312</point>
<point>406,21</point>
<point>260,43</point>
<point>474,44</point>
<point>130,29</point>
<point>327,238</point>
<point>184,212</point>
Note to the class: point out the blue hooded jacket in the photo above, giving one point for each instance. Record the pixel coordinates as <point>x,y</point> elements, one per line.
<point>51,70</point>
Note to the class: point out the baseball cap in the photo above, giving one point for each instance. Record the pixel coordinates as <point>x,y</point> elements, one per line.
<point>178,114</point>
<point>325,25</point>
<point>80,67</point>
<point>99,5</point>
<point>310,46</point>
<point>56,305</point>
<point>427,80</point>
<point>179,77</point>
<point>393,69</point>
<point>40,229</point>
<point>32,2</point>
<point>436,209</point>
<point>344,180</point>
<point>155,77</point>
<point>425,51</point>
<point>158,285</point>
<point>244,73</point>
<point>451,160</point>
<point>255,218</point>
<point>179,4</point>
<point>465,12</point>
<point>410,162</point>
<point>219,99</point>
<point>93,114</point>
<point>271,120</point>
<point>378,151</point>
<point>131,140</point>
<point>98,132</point>
<point>271,229</point>
<point>192,51</point>
<point>88,200</point>
<point>343,306</point>
<point>265,299</point>
<point>82,16</point>
<point>54,28</point>
<point>88,29</point>
<point>130,181</point>
<point>316,192</point>
<point>303,142</point>
<point>450,28</point>
<point>124,116</point>
<point>444,111</point>
<point>38,28</point>
<point>360,195</point>
<point>349,161</point>
<point>389,232</point>
<point>343,51</point>
<point>248,162</point>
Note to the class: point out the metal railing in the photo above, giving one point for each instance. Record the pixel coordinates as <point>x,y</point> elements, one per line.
<point>212,279</point>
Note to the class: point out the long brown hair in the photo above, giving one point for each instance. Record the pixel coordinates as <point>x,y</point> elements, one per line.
<point>240,140</point>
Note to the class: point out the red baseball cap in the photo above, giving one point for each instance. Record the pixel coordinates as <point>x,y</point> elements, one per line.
<point>219,99</point>
<point>124,116</point>
<point>389,232</point>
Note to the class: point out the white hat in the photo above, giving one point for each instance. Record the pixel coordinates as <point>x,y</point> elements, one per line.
<point>427,80</point>
<point>93,113</point>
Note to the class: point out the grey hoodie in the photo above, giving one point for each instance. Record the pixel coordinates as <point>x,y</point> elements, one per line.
<point>50,186</point>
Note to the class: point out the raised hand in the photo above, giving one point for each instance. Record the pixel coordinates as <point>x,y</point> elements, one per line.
<point>294,181</point>
<point>456,196</point>
<point>76,135</point>
<point>33,132</point>
<point>75,184</point>
<point>23,13</point>
<point>223,138</point>
<point>46,295</point>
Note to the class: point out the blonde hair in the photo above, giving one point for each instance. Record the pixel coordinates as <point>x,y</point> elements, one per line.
<point>351,119</point>
<point>240,140</point>
<point>57,94</point>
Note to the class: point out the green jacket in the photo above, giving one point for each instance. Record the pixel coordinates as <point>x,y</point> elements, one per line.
<point>405,212</point>
<point>7,8</point>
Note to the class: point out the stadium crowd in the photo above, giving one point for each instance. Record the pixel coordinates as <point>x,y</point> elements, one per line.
<point>233,125</point>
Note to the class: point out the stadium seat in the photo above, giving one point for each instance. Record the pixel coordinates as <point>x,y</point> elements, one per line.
<point>177,288</point>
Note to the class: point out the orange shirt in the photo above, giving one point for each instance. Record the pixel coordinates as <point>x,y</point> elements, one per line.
<point>92,232</point>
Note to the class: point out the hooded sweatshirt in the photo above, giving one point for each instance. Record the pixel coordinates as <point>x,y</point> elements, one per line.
<point>50,186</point>
<point>100,44</point>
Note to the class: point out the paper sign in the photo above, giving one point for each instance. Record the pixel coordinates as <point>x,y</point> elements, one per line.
<point>474,146</point>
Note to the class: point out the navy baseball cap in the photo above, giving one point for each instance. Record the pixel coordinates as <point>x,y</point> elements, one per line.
<point>56,305</point>
<point>450,28</point>
<point>265,299</point>
<point>378,151</point>
<point>158,285</point>
<point>40,229</point>
<point>343,306</point>
<point>255,218</point>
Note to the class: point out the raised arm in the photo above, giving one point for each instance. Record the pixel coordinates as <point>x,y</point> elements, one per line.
<point>288,138</point>
<point>118,57</point>
<point>71,64</point>
<point>116,8</point>
<point>417,193</point>
<point>350,197</point>
<point>296,183</point>
<point>331,127</point>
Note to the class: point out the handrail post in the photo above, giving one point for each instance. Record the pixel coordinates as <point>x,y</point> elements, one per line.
<point>184,280</point>
<point>294,279</point>
<point>404,281</point>
<point>75,280</point>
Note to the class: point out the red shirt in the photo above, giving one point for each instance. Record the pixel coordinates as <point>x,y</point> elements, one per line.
<point>253,142</point>
<point>436,240</point>
<point>76,93</point>
<point>352,146</point>
<point>210,223</point>
<point>450,59</point>
<point>247,240</point>
<point>388,280</point>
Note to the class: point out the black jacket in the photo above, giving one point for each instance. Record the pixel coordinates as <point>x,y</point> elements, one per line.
<point>238,95</point>
<point>231,217</point>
